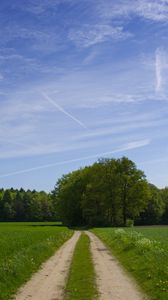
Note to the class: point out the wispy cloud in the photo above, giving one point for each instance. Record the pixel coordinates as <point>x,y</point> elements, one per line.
<point>155,10</point>
<point>90,57</point>
<point>90,35</point>
<point>161,67</point>
<point>50,100</point>
<point>158,69</point>
<point>129,146</point>
<point>10,33</point>
<point>123,128</point>
<point>38,7</point>
<point>10,57</point>
<point>98,82</point>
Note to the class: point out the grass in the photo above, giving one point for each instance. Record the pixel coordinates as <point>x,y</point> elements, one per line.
<point>143,251</point>
<point>81,280</point>
<point>157,233</point>
<point>23,248</point>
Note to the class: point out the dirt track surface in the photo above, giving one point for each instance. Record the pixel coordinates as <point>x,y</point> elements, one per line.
<point>49,282</point>
<point>112,282</point>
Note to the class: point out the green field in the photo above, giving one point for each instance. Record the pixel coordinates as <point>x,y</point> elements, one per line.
<point>23,247</point>
<point>158,233</point>
<point>143,251</point>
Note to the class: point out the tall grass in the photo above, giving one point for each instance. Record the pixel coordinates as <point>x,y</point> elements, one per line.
<point>23,247</point>
<point>146,258</point>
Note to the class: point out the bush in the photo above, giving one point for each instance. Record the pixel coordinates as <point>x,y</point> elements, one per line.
<point>129,223</point>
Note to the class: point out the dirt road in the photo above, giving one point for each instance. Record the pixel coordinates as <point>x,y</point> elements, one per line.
<point>112,282</point>
<point>49,282</point>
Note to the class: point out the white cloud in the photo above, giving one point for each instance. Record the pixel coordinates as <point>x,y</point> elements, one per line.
<point>158,69</point>
<point>161,67</point>
<point>29,126</point>
<point>28,119</point>
<point>10,56</point>
<point>90,35</point>
<point>155,10</point>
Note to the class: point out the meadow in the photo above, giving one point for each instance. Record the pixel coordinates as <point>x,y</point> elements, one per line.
<point>143,251</point>
<point>23,248</point>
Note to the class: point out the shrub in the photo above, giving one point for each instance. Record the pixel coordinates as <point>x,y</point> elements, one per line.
<point>129,223</point>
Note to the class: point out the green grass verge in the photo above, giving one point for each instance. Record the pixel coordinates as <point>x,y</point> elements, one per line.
<point>144,257</point>
<point>81,281</point>
<point>23,248</point>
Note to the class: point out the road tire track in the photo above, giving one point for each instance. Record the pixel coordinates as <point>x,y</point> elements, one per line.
<point>113,282</point>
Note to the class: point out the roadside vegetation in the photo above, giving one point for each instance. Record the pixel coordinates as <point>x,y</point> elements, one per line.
<point>81,281</point>
<point>144,253</point>
<point>23,247</point>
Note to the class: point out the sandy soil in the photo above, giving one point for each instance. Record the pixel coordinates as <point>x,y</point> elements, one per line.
<point>112,282</point>
<point>49,282</point>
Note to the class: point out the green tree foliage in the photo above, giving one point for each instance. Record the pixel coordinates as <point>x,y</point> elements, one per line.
<point>68,192</point>
<point>8,211</point>
<point>164,195</point>
<point>134,190</point>
<point>111,192</point>
<point>153,214</point>
<point>107,193</point>
<point>20,205</point>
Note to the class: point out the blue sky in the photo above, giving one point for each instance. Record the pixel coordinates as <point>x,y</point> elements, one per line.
<point>80,80</point>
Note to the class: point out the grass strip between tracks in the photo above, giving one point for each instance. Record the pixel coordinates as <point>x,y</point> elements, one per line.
<point>81,280</point>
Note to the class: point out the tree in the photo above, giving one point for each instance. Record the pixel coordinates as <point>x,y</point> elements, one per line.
<point>68,192</point>
<point>93,197</point>
<point>155,209</point>
<point>111,191</point>
<point>8,211</point>
<point>19,207</point>
<point>134,191</point>
<point>106,193</point>
<point>164,197</point>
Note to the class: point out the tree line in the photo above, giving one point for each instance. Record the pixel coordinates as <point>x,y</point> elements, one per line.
<point>21,205</point>
<point>111,192</point>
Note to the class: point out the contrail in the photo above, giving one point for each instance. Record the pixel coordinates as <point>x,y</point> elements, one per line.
<point>49,99</point>
<point>129,146</point>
